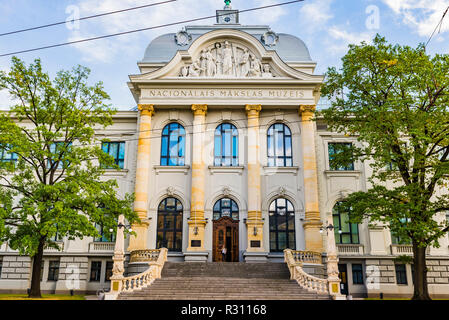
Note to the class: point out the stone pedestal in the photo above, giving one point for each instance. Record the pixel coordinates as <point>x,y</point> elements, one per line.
<point>255,257</point>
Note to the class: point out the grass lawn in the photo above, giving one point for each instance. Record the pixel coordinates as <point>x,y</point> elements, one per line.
<point>7,296</point>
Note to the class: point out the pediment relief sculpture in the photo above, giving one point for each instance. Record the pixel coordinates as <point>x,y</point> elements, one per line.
<point>227,60</point>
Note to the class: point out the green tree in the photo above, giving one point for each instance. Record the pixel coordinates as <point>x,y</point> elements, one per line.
<point>395,99</point>
<point>50,180</point>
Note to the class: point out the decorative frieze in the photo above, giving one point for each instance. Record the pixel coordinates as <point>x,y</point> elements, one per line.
<point>227,60</point>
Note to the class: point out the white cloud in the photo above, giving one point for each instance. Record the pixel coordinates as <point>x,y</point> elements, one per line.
<point>421,15</point>
<point>342,38</point>
<point>106,49</point>
<point>314,15</point>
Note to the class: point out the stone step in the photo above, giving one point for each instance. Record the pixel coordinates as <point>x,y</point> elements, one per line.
<point>224,281</point>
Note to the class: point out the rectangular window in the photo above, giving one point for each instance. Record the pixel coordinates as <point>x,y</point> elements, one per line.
<point>447,217</point>
<point>6,156</point>
<point>108,274</point>
<point>357,274</point>
<point>1,266</point>
<point>57,149</point>
<point>95,270</point>
<point>42,270</point>
<point>117,151</point>
<point>336,148</point>
<point>53,271</point>
<point>103,237</point>
<point>401,274</point>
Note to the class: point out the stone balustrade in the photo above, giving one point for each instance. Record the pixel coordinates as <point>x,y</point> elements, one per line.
<point>305,280</point>
<point>101,247</point>
<point>146,255</point>
<point>404,249</point>
<point>307,257</point>
<point>350,249</point>
<point>146,278</point>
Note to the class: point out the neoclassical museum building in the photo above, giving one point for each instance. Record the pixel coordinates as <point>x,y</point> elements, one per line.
<point>222,150</point>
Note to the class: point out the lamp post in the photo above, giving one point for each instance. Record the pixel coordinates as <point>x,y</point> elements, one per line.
<point>332,260</point>
<point>119,257</point>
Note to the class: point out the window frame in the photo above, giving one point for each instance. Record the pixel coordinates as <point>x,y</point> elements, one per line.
<point>54,145</point>
<point>218,209</point>
<point>53,270</point>
<point>221,134</point>
<point>274,223</point>
<point>339,236</point>
<point>165,153</point>
<point>401,275</point>
<point>117,159</point>
<point>13,157</point>
<point>357,275</point>
<point>103,238</point>
<point>329,155</point>
<point>163,214</point>
<point>97,270</point>
<point>108,271</point>
<point>286,158</point>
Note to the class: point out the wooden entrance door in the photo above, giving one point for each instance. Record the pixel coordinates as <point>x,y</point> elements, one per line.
<point>226,233</point>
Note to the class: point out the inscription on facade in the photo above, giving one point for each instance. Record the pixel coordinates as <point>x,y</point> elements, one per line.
<point>224,93</point>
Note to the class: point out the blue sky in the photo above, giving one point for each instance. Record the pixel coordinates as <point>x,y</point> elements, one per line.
<point>326,26</point>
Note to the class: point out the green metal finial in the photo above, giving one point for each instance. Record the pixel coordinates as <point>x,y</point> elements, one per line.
<point>227,2</point>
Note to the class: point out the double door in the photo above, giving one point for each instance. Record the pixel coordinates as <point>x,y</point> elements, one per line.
<point>226,234</point>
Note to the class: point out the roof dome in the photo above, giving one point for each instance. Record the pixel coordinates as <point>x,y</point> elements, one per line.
<point>289,47</point>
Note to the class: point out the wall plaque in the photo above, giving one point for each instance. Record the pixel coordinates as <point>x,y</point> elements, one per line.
<point>195,243</point>
<point>255,244</point>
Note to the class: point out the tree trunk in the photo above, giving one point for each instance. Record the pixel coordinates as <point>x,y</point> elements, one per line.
<point>421,291</point>
<point>35,291</point>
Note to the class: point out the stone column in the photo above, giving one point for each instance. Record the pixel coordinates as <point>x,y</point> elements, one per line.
<point>254,222</point>
<point>139,242</point>
<point>312,223</point>
<point>197,223</point>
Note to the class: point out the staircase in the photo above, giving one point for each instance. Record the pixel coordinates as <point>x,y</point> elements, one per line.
<point>224,281</point>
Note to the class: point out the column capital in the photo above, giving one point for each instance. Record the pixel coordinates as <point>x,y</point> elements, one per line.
<point>146,109</point>
<point>307,109</point>
<point>253,108</point>
<point>199,109</point>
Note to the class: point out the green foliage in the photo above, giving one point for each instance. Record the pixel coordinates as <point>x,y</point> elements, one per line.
<point>394,99</point>
<point>404,259</point>
<point>55,186</point>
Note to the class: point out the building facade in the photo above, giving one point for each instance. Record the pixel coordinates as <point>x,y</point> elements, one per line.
<point>223,151</point>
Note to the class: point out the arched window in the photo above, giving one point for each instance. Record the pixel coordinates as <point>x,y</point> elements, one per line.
<point>226,208</point>
<point>169,224</point>
<point>282,225</point>
<point>226,142</point>
<point>173,145</point>
<point>279,146</point>
<point>345,232</point>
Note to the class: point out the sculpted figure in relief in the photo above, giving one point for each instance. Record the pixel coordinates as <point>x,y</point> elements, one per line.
<point>244,64</point>
<point>228,64</point>
<point>227,61</point>
<point>194,69</point>
<point>255,66</point>
<point>211,66</point>
<point>266,71</point>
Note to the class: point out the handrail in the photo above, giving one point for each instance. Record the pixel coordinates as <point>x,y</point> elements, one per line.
<point>144,255</point>
<point>305,280</point>
<point>146,278</point>
<point>307,256</point>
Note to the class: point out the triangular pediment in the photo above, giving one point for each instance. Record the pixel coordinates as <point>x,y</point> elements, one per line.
<point>226,55</point>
